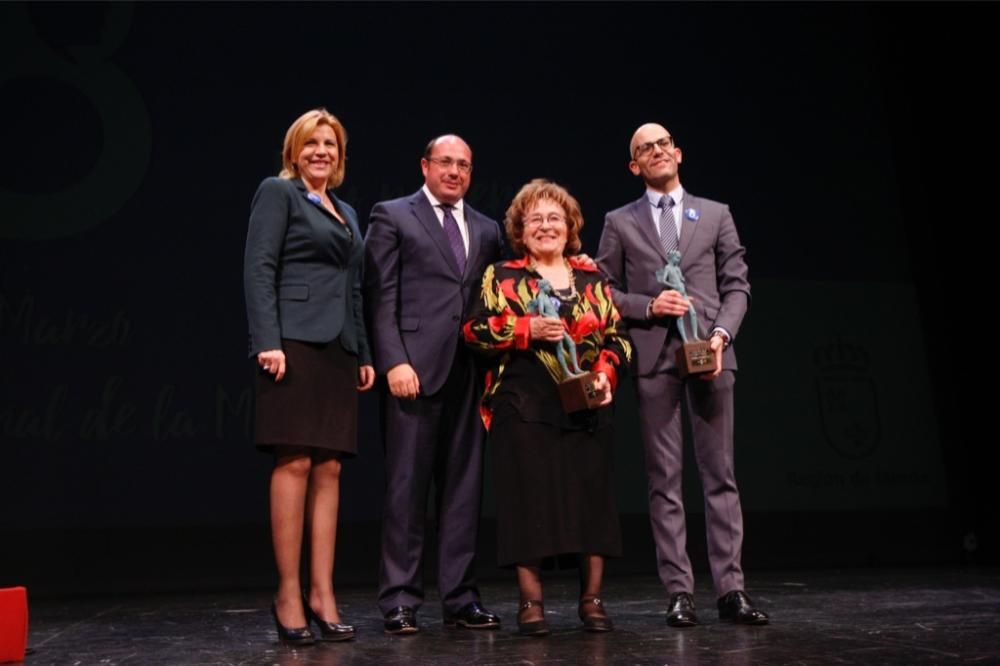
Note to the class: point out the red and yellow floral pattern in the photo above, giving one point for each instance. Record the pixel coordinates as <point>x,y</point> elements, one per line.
<point>500,324</point>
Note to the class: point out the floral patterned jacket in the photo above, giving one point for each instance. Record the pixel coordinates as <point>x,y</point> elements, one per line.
<point>499,324</point>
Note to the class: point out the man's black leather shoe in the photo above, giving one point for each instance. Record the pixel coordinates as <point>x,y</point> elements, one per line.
<point>681,611</point>
<point>472,616</point>
<point>401,620</point>
<point>736,606</point>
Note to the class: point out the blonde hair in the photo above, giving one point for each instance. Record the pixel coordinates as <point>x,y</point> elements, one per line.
<point>300,131</point>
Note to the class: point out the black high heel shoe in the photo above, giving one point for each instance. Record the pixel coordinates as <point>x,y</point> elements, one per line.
<point>328,631</point>
<point>295,637</point>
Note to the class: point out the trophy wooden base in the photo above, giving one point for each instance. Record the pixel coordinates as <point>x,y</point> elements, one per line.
<point>695,358</point>
<point>578,393</point>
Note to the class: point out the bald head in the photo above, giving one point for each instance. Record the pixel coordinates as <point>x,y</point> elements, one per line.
<point>654,157</point>
<point>647,132</point>
<point>453,139</point>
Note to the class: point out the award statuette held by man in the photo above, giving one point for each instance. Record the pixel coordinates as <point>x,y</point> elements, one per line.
<point>577,390</point>
<point>695,356</point>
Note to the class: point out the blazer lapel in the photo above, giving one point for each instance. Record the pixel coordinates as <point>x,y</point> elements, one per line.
<point>647,226</point>
<point>424,212</point>
<point>351,220</point>
<point>331,236</point>
<point>304,193</point>
<point>689,226</point>
<point>472,224</point>
<point>337,203</point>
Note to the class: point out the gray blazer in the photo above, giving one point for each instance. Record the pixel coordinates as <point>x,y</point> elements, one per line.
<point>302,271</point>
<point>711,260</point>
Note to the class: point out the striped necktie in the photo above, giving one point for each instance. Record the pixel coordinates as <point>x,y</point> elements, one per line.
<point>668,228</point>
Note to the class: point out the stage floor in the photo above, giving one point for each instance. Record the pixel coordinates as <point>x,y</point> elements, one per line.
<point>885,616</point>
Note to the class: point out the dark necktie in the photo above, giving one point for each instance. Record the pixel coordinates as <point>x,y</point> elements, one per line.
<point>668,228</point>
<point>454,237</point>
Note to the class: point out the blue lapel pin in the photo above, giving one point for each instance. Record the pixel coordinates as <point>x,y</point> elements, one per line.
<point>312,196</point>
<point>692,214</point>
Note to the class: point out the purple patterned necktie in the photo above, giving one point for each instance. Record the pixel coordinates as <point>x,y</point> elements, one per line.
<point>454,237</point>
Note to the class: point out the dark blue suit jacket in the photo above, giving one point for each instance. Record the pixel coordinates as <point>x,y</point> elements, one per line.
<point>302,271</point>
<point>416,297</point>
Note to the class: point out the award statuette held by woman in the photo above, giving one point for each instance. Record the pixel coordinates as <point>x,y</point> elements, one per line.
<point>576,391</point>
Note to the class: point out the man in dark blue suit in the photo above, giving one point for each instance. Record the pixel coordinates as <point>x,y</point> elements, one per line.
<point>424,255</point>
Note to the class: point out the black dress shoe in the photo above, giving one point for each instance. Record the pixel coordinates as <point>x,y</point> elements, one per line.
<point>597,620</point>
<point>401,620</point>
<point>736,606</point>
<point>681,612</point>
<point>472,616</point>
<point>535,627</point>
<point>297,636</point>
<point>328,631</point>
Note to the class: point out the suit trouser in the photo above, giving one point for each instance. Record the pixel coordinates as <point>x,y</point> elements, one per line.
<point>710,409</point>
<point>437,438</point>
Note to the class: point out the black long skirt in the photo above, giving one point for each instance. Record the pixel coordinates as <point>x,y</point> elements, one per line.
<point>314,405</point>
<point>554,491</point>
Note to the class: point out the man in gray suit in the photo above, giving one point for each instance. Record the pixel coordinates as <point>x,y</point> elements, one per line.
<point>424,255</point>
<point>635,243</point>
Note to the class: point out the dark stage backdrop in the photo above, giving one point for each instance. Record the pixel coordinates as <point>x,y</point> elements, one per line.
<point>135,135</point>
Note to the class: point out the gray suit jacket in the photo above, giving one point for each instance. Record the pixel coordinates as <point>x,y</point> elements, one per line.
<point>711,260</point>
<point>302,271</point>
<point>415,295</point>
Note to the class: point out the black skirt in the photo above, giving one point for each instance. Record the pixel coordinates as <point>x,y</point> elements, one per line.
<point>554,490</point>
<point>314,405</point>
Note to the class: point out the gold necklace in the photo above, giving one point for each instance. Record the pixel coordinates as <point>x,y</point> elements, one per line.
<point>572,295</point>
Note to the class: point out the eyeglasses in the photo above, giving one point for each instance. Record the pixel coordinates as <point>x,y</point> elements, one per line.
<point>447,163</point>
<point>554,220</point>
<point>644,149</point>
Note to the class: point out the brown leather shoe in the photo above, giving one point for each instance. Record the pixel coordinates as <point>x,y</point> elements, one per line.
<point>534,627</point>
<point>597,619</point>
